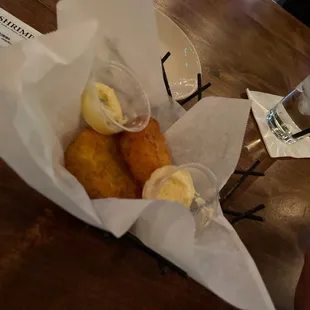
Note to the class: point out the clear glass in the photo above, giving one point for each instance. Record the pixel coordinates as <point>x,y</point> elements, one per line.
<point>129,92</point>
<point>290,118</point>
<point>205,204</point>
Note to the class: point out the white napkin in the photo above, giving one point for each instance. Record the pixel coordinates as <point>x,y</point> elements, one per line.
<point>261,104</point>
<point>40,112</point>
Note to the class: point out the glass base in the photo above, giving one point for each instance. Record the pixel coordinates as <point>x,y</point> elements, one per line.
<point>278,128</point>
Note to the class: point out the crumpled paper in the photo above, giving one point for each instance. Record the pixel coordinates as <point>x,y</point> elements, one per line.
<point>40,114</point>
<point>262,103</point>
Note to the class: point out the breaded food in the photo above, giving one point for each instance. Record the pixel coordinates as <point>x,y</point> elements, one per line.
<point>96,162</point>
<point>145,151</point>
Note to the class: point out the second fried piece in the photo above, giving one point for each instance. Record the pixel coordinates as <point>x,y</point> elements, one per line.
<point>145,151</point>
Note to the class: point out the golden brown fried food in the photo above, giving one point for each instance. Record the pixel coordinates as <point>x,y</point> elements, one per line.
<point>145,151</point>
<point>95,160</point>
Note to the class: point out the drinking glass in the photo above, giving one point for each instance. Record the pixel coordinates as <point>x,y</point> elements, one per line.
<point>289,120</point>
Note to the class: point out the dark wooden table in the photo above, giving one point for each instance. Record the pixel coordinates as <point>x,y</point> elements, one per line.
<point>50,260</point>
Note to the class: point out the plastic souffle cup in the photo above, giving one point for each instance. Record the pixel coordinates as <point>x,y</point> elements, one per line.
<point>203,203</point>
<point>133,101</point>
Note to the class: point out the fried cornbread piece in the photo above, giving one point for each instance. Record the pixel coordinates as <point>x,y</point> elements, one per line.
<point>145,151</point>
<point>95,160</point>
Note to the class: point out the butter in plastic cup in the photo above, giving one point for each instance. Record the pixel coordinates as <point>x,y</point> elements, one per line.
<point>205,202</point>
<point>133,101</point>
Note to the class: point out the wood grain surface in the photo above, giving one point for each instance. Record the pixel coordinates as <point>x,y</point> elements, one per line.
<point>50,260</point>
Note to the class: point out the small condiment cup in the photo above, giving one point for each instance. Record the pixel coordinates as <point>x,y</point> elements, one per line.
<point>205,204</point>
<point>133,100</point>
